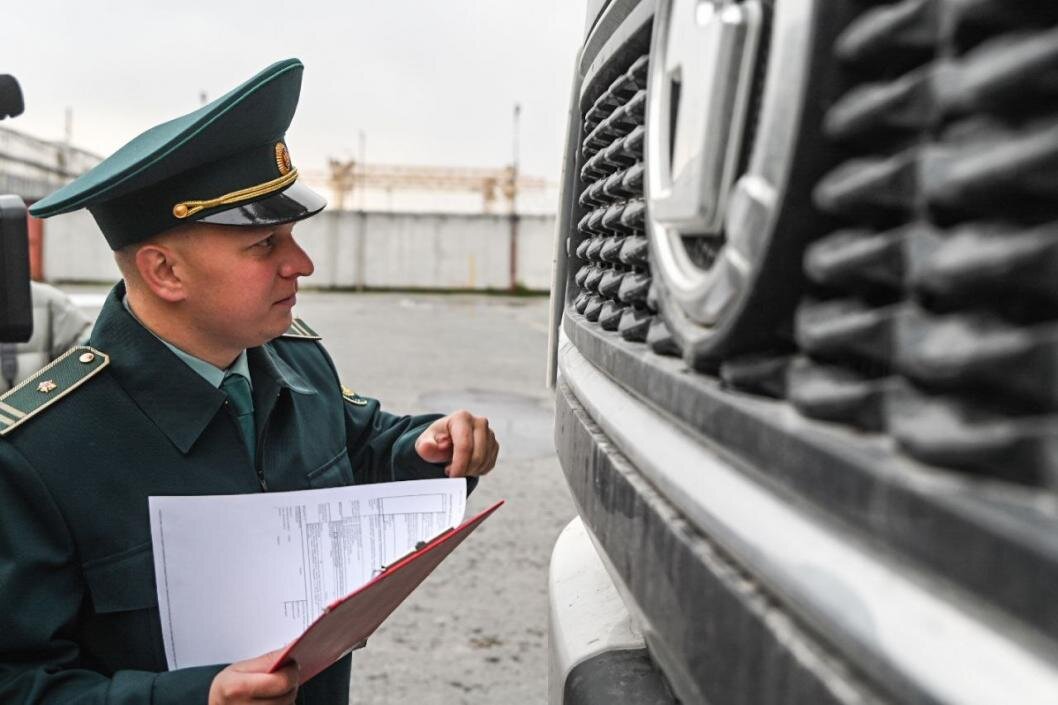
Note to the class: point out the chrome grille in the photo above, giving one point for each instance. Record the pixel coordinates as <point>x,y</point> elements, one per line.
<point>936,313</point>
<point>612,264</point>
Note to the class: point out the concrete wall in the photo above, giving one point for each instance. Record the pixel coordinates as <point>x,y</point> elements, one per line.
<point>356,248</point>
<point>74,250</point>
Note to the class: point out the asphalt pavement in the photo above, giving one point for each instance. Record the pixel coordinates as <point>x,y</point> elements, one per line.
<point>475,631</point>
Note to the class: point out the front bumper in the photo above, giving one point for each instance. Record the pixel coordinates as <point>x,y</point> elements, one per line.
<point>596,653</point>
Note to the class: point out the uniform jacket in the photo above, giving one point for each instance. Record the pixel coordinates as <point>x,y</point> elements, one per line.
<point>79,621</point>
<point>57,326</point>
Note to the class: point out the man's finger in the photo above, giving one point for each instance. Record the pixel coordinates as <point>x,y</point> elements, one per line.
<point>492,454</point>
<point>462,432</point>
<point>288,698</point>
<point>434,445</point>
<point>480,454</point>
<point>278,685</point>
<point>258,664</point>
<point>494,447</point>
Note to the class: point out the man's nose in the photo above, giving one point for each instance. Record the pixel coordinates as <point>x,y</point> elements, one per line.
<point>296,262</point>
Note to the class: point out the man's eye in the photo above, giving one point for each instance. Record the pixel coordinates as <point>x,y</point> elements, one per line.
<point>268,243</point>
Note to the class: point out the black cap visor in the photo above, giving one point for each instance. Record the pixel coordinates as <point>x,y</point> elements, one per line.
<point>293,203</point>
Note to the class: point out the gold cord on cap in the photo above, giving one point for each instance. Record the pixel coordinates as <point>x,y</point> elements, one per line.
<point>189,208</point>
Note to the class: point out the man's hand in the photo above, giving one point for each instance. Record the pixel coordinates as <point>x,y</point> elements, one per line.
<point>462,440</point>
<point>249,682</point>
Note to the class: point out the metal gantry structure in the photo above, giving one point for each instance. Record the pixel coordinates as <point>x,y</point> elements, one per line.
<point>347,177</point>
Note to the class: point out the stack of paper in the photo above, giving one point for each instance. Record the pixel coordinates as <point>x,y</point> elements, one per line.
<point>240,575</point>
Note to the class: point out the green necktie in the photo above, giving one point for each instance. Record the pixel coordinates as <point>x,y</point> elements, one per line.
<point>237,388</point>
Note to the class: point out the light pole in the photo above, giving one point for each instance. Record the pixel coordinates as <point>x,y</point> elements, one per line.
<point>361,156</point>
<point>513,196</point>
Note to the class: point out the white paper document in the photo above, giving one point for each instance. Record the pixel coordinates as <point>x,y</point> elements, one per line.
<point>240,575</point>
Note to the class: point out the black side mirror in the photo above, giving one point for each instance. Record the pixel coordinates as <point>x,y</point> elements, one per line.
<point>10,97</point>
<point>16,314</point>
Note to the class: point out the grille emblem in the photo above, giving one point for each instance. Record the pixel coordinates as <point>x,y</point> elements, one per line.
<point>697,112</point>
<point>701,75</point>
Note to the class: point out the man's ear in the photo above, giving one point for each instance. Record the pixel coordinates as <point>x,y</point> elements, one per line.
<point>159,270</point>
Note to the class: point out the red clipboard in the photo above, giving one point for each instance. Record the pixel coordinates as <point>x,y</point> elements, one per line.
<point>348,622</point>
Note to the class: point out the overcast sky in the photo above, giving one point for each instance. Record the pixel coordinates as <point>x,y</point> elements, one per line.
<point>428,81</point>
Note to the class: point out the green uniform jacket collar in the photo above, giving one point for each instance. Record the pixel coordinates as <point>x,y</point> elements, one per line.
<point>176,398</point>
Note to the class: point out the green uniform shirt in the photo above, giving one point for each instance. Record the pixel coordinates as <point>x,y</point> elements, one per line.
<point>80,619</point>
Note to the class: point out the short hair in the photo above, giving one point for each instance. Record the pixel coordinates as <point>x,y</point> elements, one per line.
<point>125,257</point>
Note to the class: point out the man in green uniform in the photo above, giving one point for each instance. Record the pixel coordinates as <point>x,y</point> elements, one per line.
<point>196,380</point>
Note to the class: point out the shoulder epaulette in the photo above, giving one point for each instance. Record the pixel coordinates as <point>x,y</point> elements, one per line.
<point>300,329</point>
<point>65,374</point>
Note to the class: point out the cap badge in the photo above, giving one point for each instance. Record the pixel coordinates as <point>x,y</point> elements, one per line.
<point>283,158</point>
